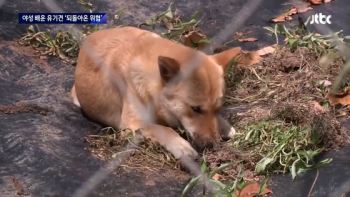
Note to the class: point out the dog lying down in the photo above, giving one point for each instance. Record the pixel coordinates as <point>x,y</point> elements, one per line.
<point>147,63</point>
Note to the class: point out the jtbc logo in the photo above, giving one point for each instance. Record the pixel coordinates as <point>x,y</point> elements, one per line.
<point>321,19</point>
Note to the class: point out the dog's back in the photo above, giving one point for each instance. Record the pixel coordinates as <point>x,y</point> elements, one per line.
<point>132,54</point>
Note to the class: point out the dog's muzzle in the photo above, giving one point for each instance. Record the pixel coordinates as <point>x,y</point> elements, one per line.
<point>200,143</point>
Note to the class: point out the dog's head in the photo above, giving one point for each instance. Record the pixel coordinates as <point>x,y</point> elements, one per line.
<point>197,98</point>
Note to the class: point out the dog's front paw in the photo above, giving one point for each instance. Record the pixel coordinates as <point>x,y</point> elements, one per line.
<point>181,148</point>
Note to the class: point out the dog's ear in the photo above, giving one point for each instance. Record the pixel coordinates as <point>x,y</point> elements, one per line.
<point>168,68</point>
<point>224,58</point>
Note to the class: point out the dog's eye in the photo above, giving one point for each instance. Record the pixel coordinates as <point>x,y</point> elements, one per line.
<point>197,110</point>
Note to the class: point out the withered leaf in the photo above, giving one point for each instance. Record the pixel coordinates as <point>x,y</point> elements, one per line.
<point>303,8</point>
<point>315,2</point>
<point>286,40</point>
<point>281,18</point>
<point>285,16</point>
<point>247,39</point>
<point>192,39</point>
<point>216,176</point>
<point>239,34</point>
<point>266,50</point>
<point>342,98</point>
<point>292,10</point>
<point>252,190</point>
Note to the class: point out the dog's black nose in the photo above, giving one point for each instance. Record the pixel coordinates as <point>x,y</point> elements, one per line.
<point>225,138</point>
<point>200,145</point>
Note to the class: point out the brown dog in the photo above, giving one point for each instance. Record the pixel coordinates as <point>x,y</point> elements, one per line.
<point>146,63</point>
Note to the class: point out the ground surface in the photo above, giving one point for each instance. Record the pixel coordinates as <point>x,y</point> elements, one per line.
<point>42,147</point>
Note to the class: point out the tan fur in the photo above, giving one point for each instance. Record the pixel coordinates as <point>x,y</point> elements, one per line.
<point>136,57</point>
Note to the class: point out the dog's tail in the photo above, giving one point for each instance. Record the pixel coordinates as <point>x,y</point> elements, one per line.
<point>74,96</point>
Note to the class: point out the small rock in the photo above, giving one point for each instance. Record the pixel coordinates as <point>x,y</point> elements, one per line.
<point>43,57</point>
<point>150,183</point>
<point>326,83</point>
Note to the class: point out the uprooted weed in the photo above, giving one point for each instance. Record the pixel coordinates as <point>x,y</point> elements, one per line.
<point>299,36</point>
<point>147,156</point>
<point>108,142</point>
<point>287,137</point>
<point>63,44</point>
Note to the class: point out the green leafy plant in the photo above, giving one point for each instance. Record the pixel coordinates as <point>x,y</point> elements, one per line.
<point>207,177</point>
<point>283,148</point>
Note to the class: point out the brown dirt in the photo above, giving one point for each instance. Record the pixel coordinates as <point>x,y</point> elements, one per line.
<point>283,88</point>
<point>20,189</point>
<point>24,83</point>
<point>333,135</point>
<point>22,108</point>
<point>226,153</point>
<point>30,52</point>
<point>284,76</point>
<point>152,160</point>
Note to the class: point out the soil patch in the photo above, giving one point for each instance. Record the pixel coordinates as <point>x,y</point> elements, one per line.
<point>285,76</point>
<point>23,108</point>
<point>18,186</point>
<point>149,158</point>
<point>30,51</point>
